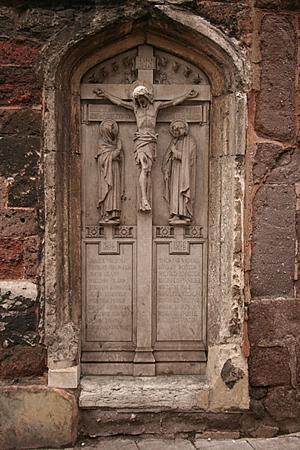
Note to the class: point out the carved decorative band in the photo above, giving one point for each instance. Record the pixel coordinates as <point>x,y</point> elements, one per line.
<point>164,232</point>
<point>124,231</point>
<point>190,231</point>
<point>194,231</point>
<point>119,232</point>
<point>94,231</point>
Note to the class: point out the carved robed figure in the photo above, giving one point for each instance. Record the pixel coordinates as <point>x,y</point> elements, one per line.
<point>145,110</point>
<point>110,160</point>
<point>179,164</point>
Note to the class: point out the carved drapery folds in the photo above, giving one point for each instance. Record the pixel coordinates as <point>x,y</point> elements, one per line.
<point>110,162</point>
<point>179,170</point>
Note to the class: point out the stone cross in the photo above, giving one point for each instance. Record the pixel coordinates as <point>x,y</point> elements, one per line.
<point>144,362</point>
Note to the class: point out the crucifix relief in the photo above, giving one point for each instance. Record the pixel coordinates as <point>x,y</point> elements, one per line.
<point>145,109</point>
<point>145,138</point>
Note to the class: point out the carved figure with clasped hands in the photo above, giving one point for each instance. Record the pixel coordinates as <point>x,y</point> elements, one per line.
<point>179,170</point>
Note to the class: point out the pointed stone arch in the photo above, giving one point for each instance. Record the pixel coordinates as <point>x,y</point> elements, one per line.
<point>64,62</point>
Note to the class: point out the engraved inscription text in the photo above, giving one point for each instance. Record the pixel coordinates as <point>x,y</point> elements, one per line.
<point>109,295</point>
<point>179,294</point>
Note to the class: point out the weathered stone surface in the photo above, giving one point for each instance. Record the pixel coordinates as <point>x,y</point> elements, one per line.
<point>273,254</point>
<point>258,393</point>
<point>11,259</point>
<point>19,155</point>
<point>257,408</point>
<point>173,423</point>
<point>19,361</point>
<point>232,16</point>
<point>19,313</point>
<point>7,20</point>
<point>275,102</point>
<point>19,87</point>
<point>63,346</point>
<point>23,122</point>
<point>268,157</point>
<point>36,416</point>
<point>23,192</point>
<point>269,366</point>
<point>20,352</point>
<point>264,431</point>
<point>231,374</point>
<point>180,392</point>
<point>287,167</point>
<point>42,23</point>
<point>269,321</point>
<point>32,256</point>
<point>200,422</point>
<point>18,52</point>
<point>110,423</point>
<point>3,192</point>
<point>283,403</point>
<point>217,435</point>
<point>277,4</point>
<point>15,222</point>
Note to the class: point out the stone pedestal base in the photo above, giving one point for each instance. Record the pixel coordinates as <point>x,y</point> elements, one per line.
<point>67,378</point>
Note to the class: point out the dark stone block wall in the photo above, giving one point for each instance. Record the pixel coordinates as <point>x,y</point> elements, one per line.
<point>269,31</point>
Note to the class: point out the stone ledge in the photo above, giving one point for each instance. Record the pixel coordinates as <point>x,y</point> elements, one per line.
<point>145,393</point>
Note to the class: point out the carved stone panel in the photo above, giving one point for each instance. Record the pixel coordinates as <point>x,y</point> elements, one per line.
<point>179,292</point>
<point>145,146</point>
<point>109,294</point>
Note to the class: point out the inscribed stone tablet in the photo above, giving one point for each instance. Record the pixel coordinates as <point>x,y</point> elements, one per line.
<point>109,295</point>
<point>179,294</point>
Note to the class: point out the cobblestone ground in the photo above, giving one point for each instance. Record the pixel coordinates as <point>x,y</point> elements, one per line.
<point>291,442</point>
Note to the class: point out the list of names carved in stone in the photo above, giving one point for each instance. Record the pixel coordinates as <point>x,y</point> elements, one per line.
<point>179,294</point>
<point>110,292</point>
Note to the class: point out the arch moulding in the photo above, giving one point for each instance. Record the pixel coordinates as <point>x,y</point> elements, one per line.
<point>66,60</point>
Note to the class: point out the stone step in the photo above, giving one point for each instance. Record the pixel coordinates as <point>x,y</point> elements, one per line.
<point>150,405</point>
<point>182,393</point>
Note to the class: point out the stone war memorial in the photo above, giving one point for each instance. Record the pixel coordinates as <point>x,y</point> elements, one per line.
<point>150,198</point>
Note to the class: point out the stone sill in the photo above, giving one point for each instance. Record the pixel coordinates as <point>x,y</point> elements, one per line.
<point>145,393</point>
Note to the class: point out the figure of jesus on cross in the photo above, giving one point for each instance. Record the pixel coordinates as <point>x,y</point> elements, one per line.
<point>145,109</point>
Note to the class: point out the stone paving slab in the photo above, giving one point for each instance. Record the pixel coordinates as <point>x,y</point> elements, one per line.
<point>164,444</point>
<point>113,444</point>
<point>280,443</point>
<point>291,442</point>
<point>239,444</point>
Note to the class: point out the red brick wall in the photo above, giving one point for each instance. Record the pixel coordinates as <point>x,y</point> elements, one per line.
<point>269,30</point>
